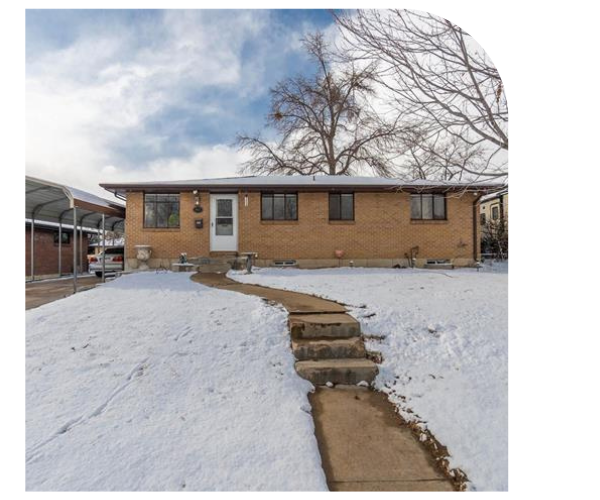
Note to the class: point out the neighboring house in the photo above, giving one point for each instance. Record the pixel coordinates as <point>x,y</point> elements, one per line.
<point>46,249</point>
<point>309,221</point>
<point>494,207</point>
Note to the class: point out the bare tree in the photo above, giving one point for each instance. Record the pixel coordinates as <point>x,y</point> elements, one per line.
<point>325,123</point>
<point>494,238</point>
<point>443,82</point>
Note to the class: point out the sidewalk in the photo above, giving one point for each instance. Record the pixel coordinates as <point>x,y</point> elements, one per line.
<point>364,444</point>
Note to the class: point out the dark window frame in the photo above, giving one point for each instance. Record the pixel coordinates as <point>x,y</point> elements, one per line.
<point>495,212</point>
<point>341,218</point>
<point>433,216</point>
<point>156,204</point>
<point>271,195</point>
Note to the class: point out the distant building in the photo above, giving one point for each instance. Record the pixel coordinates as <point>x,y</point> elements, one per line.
<point>46,250</point>
<point>495,207</point>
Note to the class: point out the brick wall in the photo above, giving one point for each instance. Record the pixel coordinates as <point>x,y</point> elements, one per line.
<point>46,252</point>
<point>382,229</point>
<point>167,243</point>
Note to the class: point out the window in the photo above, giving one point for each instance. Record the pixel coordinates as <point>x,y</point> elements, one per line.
<point>341,206</point>
<point>428,207</point>
<point>495,212</point>
<point>482,219</point>
<point>161,210</point>
<point>224,217</point>
<point>279,206</point>
<point>66,238</point>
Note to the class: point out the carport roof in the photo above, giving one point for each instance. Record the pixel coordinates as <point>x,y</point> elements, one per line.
<point>52,202</point>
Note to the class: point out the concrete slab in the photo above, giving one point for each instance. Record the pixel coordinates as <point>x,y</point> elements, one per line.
<point>426,485</point>
<point>365,446</point>
<point>298,303</point>
<point>328,348</point>
<point>311,326</point>
<point>337,371</point>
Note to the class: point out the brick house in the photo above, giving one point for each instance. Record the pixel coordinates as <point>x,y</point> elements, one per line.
<point>309,221</point>
<point>46,250</point>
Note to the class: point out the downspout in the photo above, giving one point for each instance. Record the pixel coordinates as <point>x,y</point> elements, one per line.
<point>475,222</point>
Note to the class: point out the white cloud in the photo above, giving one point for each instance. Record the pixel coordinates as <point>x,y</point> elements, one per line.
<point>87,99</point>
<point>204,162</point>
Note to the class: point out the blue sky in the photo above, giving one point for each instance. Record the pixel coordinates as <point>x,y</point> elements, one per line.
<point>148,95</point>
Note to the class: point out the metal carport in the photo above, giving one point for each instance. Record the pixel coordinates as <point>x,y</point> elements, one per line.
<point>52,202</point>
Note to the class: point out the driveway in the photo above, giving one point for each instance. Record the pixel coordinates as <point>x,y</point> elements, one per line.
<point>43,292</point>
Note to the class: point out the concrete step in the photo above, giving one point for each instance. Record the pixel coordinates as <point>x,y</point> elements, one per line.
<point>337,371</point>
<point>328,348</point>
<point>314,326</point>
<point>214,267</point>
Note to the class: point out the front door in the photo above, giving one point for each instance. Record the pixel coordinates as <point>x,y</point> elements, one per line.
<point>223,222</point>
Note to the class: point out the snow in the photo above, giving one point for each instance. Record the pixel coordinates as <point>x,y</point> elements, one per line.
<point>310,180</point>
<point>154,382</point>
<point>445,350</point>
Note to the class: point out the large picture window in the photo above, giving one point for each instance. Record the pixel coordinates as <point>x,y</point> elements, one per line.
<point>161,210</point>
<point>279,206</point>
<point>428,207</point>
<point>341,206</point>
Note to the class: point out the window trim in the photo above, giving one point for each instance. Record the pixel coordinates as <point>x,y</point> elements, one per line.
<point>285,194</point>
<point>146,226</point>
<point>341,219</point>
<point>433,217</point>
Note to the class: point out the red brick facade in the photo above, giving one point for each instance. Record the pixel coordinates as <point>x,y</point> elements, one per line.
<point>381,234</point>
<point>46,252</point>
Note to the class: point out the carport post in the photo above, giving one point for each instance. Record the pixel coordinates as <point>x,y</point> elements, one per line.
<point>103,249</point>
<point>81,246</point>
<point>60,249</point>
<point>32,248</point>
<point>74,250</point>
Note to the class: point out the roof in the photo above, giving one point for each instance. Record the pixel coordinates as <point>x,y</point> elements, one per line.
<point>493,196</point>
<point>53,225</point>
<point>300,182</point>
<point>52,202</point>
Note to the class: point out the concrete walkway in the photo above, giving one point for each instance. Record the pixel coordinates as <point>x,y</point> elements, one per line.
<point>42,292</point>
<point>364,444</point>
<point>295,303</point>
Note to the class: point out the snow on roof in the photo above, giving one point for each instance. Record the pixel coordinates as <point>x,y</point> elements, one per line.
<point>493,196</point>
<point>299,181</point>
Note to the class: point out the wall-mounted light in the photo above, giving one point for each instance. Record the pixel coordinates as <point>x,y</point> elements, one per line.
<point>197,207</point>
<point>246,200</point>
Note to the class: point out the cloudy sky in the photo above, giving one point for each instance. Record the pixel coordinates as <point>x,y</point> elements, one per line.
<point>153,95</point>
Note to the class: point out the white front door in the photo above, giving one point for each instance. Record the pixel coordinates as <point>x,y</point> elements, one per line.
<point>223,222</point>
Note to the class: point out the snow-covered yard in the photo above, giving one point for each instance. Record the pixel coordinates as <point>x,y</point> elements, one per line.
<point>153,382</point>
<point>445,351</point>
